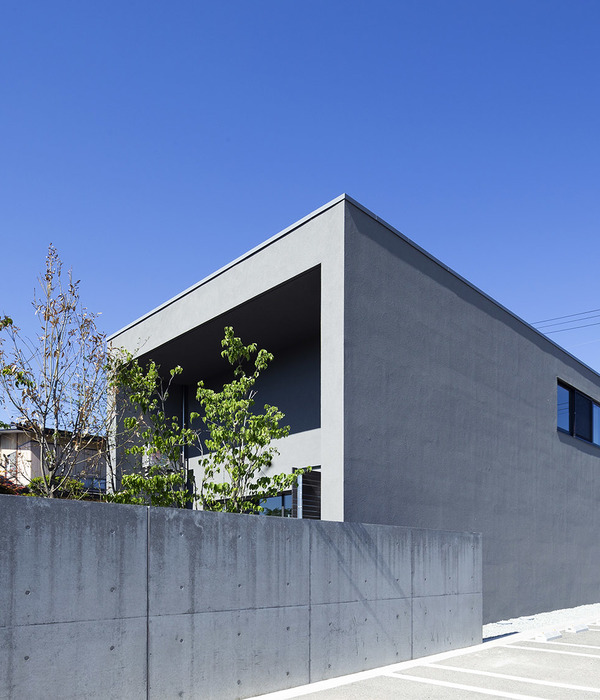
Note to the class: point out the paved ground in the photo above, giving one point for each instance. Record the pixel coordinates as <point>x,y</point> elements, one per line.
<point>526,666</point>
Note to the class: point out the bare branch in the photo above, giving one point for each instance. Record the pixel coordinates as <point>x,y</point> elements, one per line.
<point>56,385</point>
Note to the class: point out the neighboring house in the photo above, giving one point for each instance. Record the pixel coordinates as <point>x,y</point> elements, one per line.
<point>19,455</point>
<point>422,401</point>
<point>20,459</point>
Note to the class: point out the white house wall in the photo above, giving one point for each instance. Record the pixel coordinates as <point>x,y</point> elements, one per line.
<point>19,457</point>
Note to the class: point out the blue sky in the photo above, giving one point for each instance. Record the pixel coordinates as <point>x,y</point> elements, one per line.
<point>153,142</point>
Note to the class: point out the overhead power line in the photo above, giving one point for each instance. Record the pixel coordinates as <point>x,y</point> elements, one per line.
<point>559,318</point>
<point>564,323</point>
<point>573,328</point>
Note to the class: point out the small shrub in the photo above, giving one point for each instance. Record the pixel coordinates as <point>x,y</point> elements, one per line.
<point>12,488</point>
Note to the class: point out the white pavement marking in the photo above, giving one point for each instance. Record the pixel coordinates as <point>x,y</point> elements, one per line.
<point>471,688</point>
<point>330,683</point>
<point>575,644</point>
<point>522,679</point>
<point>554,651</point>
<point>340,681</point>
<point>505,641</point>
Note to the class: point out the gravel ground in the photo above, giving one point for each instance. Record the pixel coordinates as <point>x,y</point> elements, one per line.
<point>555,620</point>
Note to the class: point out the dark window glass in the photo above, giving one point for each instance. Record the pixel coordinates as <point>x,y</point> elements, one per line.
<point>577,414</point>
<point>583,417</point>
<point>563,411</point>
<point>287,505</point>
<point>279,506</point>
<point>271,506</point>
<point>596,423</point>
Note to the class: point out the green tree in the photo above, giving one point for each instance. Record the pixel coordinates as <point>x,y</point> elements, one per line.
<point>239,438</point>
<point>152,434</point>
<point>157,487</point>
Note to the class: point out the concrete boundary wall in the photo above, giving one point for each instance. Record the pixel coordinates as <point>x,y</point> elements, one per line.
<point>108,601</point>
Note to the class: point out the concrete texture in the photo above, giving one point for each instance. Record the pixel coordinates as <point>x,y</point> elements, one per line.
<point>435,618</point>
<point>72,599</point>
<point>441,566</point>
<point>73,660</point>
<point>359,562</point>
<point>40,588</point>
<point>206,562</point>
<point>106,601</point>
<point>350,635</point>
<point>228,654</point>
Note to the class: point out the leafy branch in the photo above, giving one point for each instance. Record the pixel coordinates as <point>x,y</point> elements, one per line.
<point>239,438</point>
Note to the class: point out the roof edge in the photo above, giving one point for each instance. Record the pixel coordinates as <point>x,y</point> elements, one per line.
<point>253,251</point>
<point>435,260</point>
<point>325,207</point>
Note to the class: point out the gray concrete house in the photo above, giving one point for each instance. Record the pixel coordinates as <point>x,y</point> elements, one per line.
<point>421,400</point>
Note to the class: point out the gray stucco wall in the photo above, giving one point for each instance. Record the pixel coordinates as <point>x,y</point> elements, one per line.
<point>97,600</point>
<point>178,328</point>
<point>450,422</point>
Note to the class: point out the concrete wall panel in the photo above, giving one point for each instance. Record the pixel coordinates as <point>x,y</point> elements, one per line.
<point>445,622</point>
<point>95,659</point>
<point>363,634</point>
<point>359,562</point>
<point>85,561</point>
<point>229,654</point>
<point>201,562</point>
<point>445,563</point>
<point>214,604</point>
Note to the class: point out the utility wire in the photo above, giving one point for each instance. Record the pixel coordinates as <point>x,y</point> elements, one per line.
<point>564,323</point>
<point>559,318</point>
<point>574,328</point>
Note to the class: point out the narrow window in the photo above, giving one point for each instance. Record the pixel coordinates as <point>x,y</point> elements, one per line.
<point>596,423</point>
<point>583,417</point>
<point>563,408</point>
